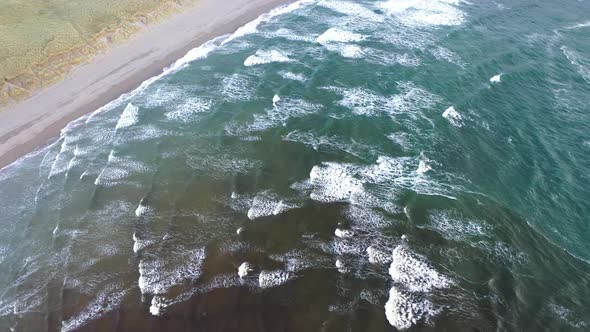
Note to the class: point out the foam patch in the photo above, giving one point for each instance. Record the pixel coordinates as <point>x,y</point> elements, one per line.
<point>333,182</point>
<point>453,116</point>
<point>237,87</point>
<point>293,76</point>
<point>425,13</point>
<point>188,109</point>
<point>262,57</point>
<point>269,279</point>
<point>377,256</point>
<point>118,170</point>
<point>275,116</point>
<point>157,276</point>
<point>411,102</point>
<point>129,117</point>
<point>337,35</point>
<point>413,271</point>
<point>106,301</point>
<point>268,204</point>
<point>404,309</point>
<point>454,227</point>
<point>351,9</point>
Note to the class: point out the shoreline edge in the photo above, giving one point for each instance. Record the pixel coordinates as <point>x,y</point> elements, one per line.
<point>34,122</point>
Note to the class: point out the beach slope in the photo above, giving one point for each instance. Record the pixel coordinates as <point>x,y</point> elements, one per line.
<point>33,122</point>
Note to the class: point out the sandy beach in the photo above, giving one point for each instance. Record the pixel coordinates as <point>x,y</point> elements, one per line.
<point>34,122</point>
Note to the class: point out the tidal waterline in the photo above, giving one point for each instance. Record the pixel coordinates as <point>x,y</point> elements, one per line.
<point>380,165</point>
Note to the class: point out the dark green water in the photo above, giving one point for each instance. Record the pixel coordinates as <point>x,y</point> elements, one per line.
<point>382,165</point>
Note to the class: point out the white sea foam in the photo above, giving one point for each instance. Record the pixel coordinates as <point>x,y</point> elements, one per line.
<point>333,183</point>
<point>377,256</point>
<point>340,182</point>
<point>351,9</point>
<point>390,169</point>
<point>347,50</point>
<point>455,227</point>
<point>293,76</point>
<point>367,218</point>
<point>342,266</point>
<point>425,12</point>
<point>410,102</point>
<point>275,116</point>
<point>158,305</point>
<point>453,117</point>
<point>225,280</point>
<point>118,169</point>
<point>361,101</point>
<point>245,269</point>
<point>423,167</point>
<point>76,160</point>
<point>275,100</point>
<point>297,260</point>
<point>581,64</point>
<point>106,301</point>
<point>197,53</point>
<point>64,157</point>
<point>388,58</point>
<point>157,276</point>
<point>579,26</point>
<point>188,109</point>
<point>496,78</point>
<point>502,252</point>
<point>337,35</point>
<point>139,244</point>
<point>444,54</point>
<point>268,204</point>
<point>413,271</point>
<point>142,209</point>
<point>568,316</point>
<point>290,35</point>
<point>336,39</point>
<point>347,247</point>
<point>343,233</point>
<point>262,57</point>
<point>252,27</point>
<point>129,117</point>
<point>402,139</point>
<point>164,95</point>
<point>237,87</point>
<point>269,279</point>
<point>404,309</point>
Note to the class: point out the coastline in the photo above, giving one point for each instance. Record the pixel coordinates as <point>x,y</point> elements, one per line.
<point>35,121</point>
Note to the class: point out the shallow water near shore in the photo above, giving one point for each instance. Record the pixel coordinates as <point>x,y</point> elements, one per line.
<point>379,165</point>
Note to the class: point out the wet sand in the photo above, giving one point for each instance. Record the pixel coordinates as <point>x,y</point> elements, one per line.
<point>34,122</point>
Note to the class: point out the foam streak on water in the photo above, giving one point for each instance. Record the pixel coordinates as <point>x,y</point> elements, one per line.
<point>421,161</point>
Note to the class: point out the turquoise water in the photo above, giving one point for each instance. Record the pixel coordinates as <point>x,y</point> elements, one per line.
<point>367,166</point>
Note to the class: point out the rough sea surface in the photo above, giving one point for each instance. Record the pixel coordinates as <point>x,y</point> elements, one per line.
<point>363,166</point>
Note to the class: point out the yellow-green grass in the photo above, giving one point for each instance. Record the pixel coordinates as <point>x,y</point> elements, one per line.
<point>42,40</point>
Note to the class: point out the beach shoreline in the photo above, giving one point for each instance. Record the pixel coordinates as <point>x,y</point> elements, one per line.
<point>32,123</point>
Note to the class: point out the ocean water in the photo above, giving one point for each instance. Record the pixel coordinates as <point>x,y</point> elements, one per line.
<point>332,166</point>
